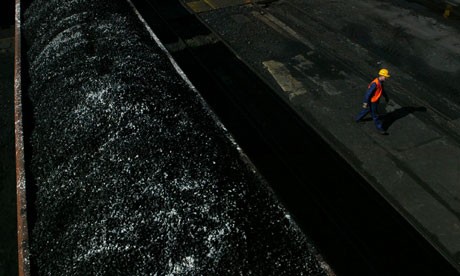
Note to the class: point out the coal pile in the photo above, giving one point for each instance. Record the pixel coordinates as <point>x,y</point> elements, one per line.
<point>134,174</point>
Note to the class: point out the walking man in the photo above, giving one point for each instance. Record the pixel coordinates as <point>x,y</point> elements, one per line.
<point>374,91</point>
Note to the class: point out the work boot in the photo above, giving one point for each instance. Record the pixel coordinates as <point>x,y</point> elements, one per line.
<point>383,132</point>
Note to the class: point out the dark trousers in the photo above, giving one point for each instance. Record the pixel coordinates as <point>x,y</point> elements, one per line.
<point>372,108</point>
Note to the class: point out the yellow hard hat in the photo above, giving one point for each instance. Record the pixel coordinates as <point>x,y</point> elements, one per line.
<point>384,72</point>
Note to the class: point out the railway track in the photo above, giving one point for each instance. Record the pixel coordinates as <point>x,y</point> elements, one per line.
<point>357,231</point>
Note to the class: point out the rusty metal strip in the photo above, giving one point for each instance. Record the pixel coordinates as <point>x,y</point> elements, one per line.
<point>21,201</point>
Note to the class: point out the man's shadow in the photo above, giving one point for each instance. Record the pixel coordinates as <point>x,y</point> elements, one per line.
<point>389,118</point>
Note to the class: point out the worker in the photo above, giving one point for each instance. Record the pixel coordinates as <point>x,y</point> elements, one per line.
<point>373,94</point>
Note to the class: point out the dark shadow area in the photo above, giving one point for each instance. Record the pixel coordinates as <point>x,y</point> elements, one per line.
<point>389,118</point>
<point>7,13</point>
<point>8,230</point>
<point>365,119</point>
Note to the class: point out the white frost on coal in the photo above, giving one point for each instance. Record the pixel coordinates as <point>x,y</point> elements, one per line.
<point>135,175</point>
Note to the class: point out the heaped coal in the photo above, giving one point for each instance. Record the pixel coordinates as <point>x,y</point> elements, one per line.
<point>134,174</point>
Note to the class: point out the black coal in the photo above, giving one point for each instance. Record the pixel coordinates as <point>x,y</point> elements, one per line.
<point>134,174</point>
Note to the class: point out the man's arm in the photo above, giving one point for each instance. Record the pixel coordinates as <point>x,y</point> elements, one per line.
<point>369,94</point>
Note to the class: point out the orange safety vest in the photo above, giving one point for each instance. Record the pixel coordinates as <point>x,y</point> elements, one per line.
<point>378,90</point>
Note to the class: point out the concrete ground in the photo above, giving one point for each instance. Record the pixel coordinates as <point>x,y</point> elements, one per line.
<point>8,242</point>
<point>319,56</point>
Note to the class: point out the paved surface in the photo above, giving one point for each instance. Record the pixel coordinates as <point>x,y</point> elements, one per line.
<point>8,242</point>
<point>319,56</point>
